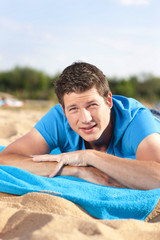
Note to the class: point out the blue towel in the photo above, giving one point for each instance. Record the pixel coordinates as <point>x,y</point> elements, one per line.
<point>99,201</point>
<point>1,147</point>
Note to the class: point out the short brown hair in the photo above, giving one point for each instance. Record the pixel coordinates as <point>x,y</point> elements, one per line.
<point>80,77</point>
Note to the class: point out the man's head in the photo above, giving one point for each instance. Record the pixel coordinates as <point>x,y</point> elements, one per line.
<point>80,77</point>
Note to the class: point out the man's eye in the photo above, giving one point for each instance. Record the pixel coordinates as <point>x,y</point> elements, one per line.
<point>72,109</point>
<point>92,105</point>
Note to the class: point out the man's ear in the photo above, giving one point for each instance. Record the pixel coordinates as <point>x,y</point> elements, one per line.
<point>109,100</point>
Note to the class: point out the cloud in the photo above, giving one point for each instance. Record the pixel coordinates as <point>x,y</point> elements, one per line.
<point>134,2</point>
<point>13,25</point>
<point>127,56</point>
<point>116,44</point>
<point>26,32</point>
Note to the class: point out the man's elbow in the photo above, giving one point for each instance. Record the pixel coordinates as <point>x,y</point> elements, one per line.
<point>155,177</point>
<point>2,162</point>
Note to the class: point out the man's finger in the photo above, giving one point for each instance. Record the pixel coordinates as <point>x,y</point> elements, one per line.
<point>44,158</point>
<point>57,169</point>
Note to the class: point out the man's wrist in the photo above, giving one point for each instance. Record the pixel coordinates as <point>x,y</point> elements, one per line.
<point>69,171</point>
<point>89,156</point>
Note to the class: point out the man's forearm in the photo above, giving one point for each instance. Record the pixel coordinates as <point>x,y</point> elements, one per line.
<point>90,174</point>
<point>136,174</point>
<point>96,176</point>
<point>131,173</point>
<point>27,164</point>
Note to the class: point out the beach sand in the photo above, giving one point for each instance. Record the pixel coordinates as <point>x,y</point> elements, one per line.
<point>15,123</point>
<point>42,216</point>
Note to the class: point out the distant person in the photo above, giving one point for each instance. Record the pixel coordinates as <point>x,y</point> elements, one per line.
<point>105,139</point>
<point>2,101</point>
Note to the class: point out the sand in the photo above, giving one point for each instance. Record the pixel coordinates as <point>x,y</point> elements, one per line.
<point>14,123</point>
<point>42,216</point>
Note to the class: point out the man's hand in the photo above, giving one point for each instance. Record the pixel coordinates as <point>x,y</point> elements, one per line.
<point>78,168</point>
<point>46,168</point>
<point>71,158</point>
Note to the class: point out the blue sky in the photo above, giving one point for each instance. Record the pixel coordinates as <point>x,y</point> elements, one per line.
<point>121,37</point>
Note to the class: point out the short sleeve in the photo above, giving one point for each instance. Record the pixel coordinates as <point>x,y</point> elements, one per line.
<point>142,125</point>
<point>51,127</point>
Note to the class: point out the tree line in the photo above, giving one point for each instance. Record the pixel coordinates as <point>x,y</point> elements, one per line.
<point>28,83</point>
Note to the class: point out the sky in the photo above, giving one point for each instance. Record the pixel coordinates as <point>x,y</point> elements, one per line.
<point>121,37</point>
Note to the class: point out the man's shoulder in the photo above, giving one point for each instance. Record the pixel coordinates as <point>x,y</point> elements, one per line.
<point>126,103</point>
<point>54,117</point>
<point>56,111</point>
<point>57,108</point>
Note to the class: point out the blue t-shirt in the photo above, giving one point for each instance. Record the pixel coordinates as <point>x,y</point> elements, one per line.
<point>132,123</point>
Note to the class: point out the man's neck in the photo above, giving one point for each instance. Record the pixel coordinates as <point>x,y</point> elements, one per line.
<point>103,142</point>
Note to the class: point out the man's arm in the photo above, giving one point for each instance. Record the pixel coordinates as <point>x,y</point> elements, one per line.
<point>142,173</point>
<point>17,154</point>
<point>26,163</point>
<point>44,169</point>
<point>31,143</point>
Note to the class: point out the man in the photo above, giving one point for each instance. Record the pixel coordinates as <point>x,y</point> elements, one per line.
<point>107,140</point>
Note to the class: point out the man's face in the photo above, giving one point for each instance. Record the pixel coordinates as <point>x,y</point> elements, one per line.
<point>88,113</point>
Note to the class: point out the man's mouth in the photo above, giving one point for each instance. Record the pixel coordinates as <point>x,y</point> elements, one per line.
<point>88,129</point>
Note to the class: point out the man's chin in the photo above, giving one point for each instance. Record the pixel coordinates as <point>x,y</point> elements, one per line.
<point>90,138</point>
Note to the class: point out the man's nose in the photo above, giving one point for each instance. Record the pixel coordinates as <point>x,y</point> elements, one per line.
<point>85,116</point>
